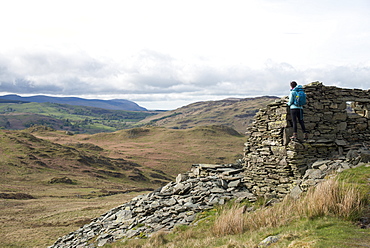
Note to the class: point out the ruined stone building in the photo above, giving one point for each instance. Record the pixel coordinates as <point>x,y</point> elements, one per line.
<point>337,120</point>
<point>274,166</point>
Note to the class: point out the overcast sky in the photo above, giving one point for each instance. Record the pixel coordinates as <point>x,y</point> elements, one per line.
<point>164,54</point>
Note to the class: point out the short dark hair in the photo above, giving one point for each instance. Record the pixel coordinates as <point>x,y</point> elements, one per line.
<point>293,84</point>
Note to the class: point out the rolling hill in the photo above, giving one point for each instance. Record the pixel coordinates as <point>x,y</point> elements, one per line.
<point>235,113</point>
<point>170,150</point>
<point>27,160</point>
<point>81,119</point>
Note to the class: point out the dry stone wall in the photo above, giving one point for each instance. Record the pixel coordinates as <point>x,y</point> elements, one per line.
<point>337,120</point>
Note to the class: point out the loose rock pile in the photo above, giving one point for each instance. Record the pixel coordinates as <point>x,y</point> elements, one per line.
<point>174,204</point>
<point>325,168</point>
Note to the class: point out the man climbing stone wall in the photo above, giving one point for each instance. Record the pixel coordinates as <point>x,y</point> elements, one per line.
<point>337,119</point>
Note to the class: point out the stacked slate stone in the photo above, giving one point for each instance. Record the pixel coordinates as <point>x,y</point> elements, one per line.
<point>273,162</point>
<point>338,118</point>
<point>338,122</point>
<point>176,203</point>
<point>265,152</point>
<point>324,169</point>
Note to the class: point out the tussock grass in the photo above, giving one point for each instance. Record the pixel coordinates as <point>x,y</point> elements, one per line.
<point>329,198</point>
<point>158,239</point>
<point>186,233</point>
<point>231,221</point>
<point>332,198</point>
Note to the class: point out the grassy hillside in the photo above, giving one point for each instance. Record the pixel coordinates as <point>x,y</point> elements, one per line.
<point>170,150</point>
<point>51,183</point>
<point>78,119</point>
<point>234,113</point>
<point>27,159</point>
<point>19,121</point>
<point>49,189</point>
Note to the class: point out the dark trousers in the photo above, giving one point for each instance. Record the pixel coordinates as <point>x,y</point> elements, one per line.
<point>297,116</point>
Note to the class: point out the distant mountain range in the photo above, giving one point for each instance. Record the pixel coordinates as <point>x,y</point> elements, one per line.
<point>115,104</point>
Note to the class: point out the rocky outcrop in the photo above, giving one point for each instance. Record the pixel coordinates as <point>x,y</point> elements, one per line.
<point>176,203</point>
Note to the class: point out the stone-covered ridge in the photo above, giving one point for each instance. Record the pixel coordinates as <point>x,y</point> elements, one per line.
<point>174,204</point>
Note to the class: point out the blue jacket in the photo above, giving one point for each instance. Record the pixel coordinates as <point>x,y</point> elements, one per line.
<point>293,93</point>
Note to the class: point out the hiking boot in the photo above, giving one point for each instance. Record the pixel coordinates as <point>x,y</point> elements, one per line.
<point>306,136</point>
<point>294,137</point>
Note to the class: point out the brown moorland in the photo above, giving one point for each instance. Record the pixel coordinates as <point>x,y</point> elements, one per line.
<point>53,182</point>
<point>172,151</point>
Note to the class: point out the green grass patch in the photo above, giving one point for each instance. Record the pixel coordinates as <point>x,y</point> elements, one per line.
<point>79,119</point>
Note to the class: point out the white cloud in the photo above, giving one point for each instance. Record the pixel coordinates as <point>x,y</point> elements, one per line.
<point>171,52</point>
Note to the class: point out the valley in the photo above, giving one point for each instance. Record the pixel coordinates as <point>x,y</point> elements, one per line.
<point>53,182</point>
